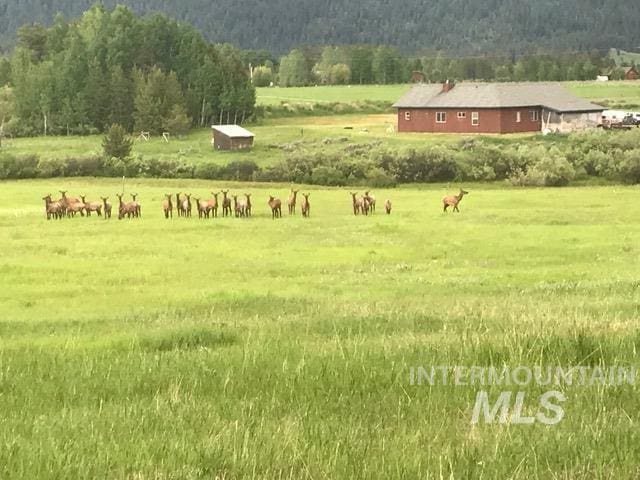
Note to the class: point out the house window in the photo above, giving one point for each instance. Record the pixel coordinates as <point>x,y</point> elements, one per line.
<point>534,115</point>
<point>475,119</point>
<point>518,117</point>
<point>441,117</point>
<point>462,114</point>
<point>407,116</point>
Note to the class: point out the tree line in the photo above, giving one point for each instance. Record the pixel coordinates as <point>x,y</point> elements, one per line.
<point>109,67</point>
<point>364,64</point>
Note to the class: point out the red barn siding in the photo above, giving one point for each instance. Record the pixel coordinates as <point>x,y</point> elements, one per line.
<point>491,120</point>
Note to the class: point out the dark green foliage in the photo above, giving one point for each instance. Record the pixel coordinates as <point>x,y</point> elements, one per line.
<point>116,143</point>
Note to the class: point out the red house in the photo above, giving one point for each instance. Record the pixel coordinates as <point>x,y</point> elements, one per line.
<point>494,108</point>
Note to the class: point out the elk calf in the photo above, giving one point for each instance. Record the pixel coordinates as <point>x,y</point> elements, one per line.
<point>453,201</point>
<point>387,207</point>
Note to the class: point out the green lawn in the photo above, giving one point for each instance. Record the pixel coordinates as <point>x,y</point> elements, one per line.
<point>253,348</point>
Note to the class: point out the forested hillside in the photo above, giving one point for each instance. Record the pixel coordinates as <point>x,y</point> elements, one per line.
<point>455,26</point>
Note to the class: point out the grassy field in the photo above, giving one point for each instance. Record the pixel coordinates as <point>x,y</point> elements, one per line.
<point>608,93</point>
<point>253,348</point>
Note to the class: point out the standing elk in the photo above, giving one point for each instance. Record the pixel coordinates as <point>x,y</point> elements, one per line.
<point>305,206</point>
<point>239,206</point>
<point>358,203</point>
<point>226,203</point>
<point>453,201</point>
<point>91,206</point>
<point>128,209</point>
<point>276,207</point>
<point>203,207</point>
<point>372,201</point>
<point>52,209</point>
<point>387,207</point>
<point>292,201</point>
<point>137,206</point>
<point>186,205</point>
<point>247,208</point>
<point>167,206</point>
<point>107,207</point>
<point>179,205</point>
<point>212,205</point>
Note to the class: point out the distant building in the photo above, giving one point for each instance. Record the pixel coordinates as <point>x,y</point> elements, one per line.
<point>631,73</point>
<point>418,77</point>
<point>494,108</point>
<point>231,137</point>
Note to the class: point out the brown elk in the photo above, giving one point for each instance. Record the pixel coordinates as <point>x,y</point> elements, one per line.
<point>357,203</point>
<point>179,205</point>
<point>138,207</point>
<point>212,205</point>
<point>239,206</point>
<point>52,209</point>
<point>91,206</point>
<point>107,207</point>
<point>372,201</point>
<point>203,208</point>
<point>387,207</point>
<point>305,206</point>
<point>226,203</point>
<point>453,200</point>
<point>276,207</point>
<point>366,206</point>
<point>167,206</point>
<point>247,208</point>
<point>128,209</point>
<point>292,201</point>
<point>186,205</point>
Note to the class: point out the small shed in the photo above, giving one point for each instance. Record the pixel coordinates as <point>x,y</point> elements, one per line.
<point>231,137</point>
<point>630,73</point>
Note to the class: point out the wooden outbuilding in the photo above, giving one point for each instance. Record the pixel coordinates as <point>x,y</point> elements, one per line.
<point>231,137</point>
<point>631,73</point>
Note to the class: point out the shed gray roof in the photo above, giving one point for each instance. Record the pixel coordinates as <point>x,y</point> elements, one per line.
<point>233,131</point>
<point>496,95</point>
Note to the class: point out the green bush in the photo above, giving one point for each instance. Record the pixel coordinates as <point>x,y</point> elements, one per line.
<point>630,166</point>
<point>378,178</point>
<point>14,167</point>
<point>330,176</point>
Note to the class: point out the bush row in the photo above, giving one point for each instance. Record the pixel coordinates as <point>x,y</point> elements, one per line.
<point>545,163</point>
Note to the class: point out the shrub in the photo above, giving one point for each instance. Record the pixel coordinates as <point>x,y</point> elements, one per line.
<point>15,167</point>
<point>378,178</point>
<point>330,176</point>
<point>630,166</point>
<point>116,143</point>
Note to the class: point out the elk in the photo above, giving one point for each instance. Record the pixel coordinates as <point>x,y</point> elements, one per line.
<point>453,200</point>
<point>387,207</point>
<point>203,208</point>
<point>73,208</point>
<point>358,204</point>
<point>107,207</point>
<point>186,205</point>
<point>247,208</point>
<point>239,207</point>
<point>372,201</point>
<point>52,209</point>
<point>365,206</point>
<point>212,205</point>
<point>128,209</point>
<point>226,203</point>
<point>179,205</point>
<point>91,206</point>
<point>167,206</point>
<point>305,205</point>
<point>138,207</point>
<point>276,207</point>
<point>292,201</point>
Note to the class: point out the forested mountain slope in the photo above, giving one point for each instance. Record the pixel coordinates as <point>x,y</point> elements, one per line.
<point>456,26</point>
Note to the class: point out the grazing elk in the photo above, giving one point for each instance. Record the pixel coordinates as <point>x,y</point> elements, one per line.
<point>372,201</point>
<point>226,203</point>
<point>292,201</point>
<point>138,207</point>
<point>247,208</point>
<point>212,205</point>
<point>167,206</point>
<point>107,207</point>
<point>453,201</point>
<point>276,207</point>
<point>387,207</point>
<point>186,205</point>
<point>357,203</point>
<point>52,209</point>
<point>305,206</point>
<point>91,206</point>
<point>128,209</point>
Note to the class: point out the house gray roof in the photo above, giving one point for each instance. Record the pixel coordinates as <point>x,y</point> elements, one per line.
<point>233,131</point>
<point>496,95</point>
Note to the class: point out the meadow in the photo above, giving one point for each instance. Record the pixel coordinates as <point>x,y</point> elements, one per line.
<point>259,348</point>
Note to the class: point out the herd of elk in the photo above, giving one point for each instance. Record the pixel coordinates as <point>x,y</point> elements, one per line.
<point>129,209</point>
<point>367,204</point>
<point>71,206</point>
